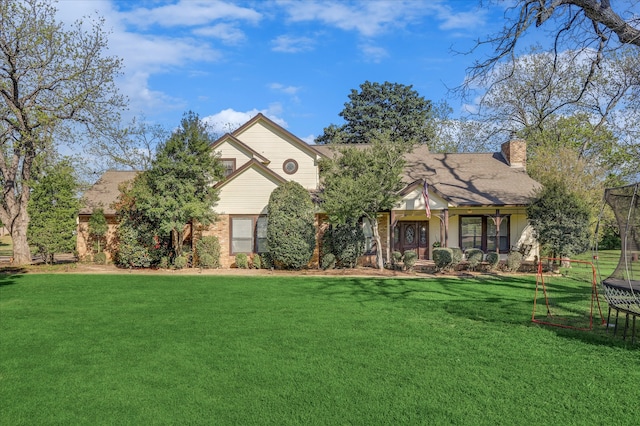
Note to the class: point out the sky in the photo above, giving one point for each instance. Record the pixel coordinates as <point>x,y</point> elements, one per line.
<point>295,61</point>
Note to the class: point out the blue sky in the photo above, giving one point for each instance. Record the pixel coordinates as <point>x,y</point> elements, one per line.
<point>294,61</point>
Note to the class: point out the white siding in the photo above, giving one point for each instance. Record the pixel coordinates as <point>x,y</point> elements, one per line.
<point>276,147</point>
<point>415,201</point>
<point>227,150</point>
<point>248,193</point>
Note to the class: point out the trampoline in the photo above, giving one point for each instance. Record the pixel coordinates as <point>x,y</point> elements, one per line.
<point>622,287</point>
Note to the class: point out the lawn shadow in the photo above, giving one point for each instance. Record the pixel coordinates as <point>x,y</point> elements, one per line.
<point>10,274</point>
<point>506,299</point>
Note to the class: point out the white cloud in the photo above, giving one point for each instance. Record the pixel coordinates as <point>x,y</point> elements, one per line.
<point>373,53</point>
<point>290,44</point>
<point>289,90</point>
<point>371,18</point>
<point>143,55</point>
<point>227,33</point>
<point>190,13</point>
<point>226,121</point>
<point>311,139</point>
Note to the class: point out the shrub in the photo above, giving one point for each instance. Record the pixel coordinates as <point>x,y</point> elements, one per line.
<point>442,257</point>
<point>180,262</point>
<point>345,242</point>
<point>291,233</point>
<point>456,256</point>
<point>474,257</point>
<point>267,261</point>
<point>207,261</point>
<point>208,249</point>
<point>100,258</point>
<point>242,261</point>
<point>514,260</point>
<point>131,254</point>
<point>492,259</point>
<point>164,262</point>
<point>396,259</point>
<point>410,258</point>
<point>256,261</point>
<point>328,261</point>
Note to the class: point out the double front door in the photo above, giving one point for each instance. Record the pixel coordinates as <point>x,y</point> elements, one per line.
<point>412,236</point>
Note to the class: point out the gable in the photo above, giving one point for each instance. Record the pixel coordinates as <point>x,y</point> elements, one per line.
<point>412,199</point>
<point>230,147</point>
<point>281,148</point>
<point>247,191</point>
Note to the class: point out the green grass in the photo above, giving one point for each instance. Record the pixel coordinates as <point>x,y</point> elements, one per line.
<point>134,349</point>
<point>6,246</point>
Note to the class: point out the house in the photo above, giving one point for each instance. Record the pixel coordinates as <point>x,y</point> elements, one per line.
<point>475,200</point>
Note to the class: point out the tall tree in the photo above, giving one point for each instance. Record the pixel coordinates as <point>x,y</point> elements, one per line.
<point>361,183</point>
<point>131,147</point>
<point>560,220</point>
<point>180,181</point>
<point>53,208</point>
<point>382,107</point>
<point>55,81</point>
<point>577,25</point>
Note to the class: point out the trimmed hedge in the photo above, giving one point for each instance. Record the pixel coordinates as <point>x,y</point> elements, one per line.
<point>291,233</point>
<point>514,260</point>
<point>492,258</point>
<point>410,258</point>
<point>443,258</point>
<point>474,257</point>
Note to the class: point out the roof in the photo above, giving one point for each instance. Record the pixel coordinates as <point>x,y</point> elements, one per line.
<point>472,179</point>
<point>465,179</point>
<point>105,191</point>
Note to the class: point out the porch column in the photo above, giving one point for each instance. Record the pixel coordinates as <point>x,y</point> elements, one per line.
<point>445,220</point>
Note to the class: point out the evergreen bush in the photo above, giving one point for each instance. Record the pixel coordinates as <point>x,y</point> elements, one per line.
<point>492,258</point>
<point>242,261</point>
<point>205,260</point>
<point>345,242</point>
<point>396,259</point>
<point>328,261</point>
<point>180,262</point>
<point>456,256</point>
<point>291,232</point>
<point>208,249</point>
<point>474,257</point>
<point>131,254</point>
<point>410,259</point>
<point>256,262</point>
<point>514,260</point>
<point>443,258</point>
<point>267,262</point>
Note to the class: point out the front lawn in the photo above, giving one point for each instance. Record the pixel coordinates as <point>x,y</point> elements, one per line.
<point>175,349</point>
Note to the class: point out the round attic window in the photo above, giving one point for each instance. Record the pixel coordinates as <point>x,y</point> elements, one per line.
<point>290,166</point>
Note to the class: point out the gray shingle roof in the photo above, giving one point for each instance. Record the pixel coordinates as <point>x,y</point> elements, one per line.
<point>105,191</point>
<point>467,179</point>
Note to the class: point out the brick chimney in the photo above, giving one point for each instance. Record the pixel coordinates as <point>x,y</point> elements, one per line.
<point>515,152</point>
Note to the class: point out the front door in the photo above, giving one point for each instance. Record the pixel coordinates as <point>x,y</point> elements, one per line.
<point>413,236</point>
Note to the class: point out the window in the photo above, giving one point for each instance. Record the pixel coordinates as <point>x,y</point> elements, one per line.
<point>229,165</point>
<point>248,234</point>
<point>261,234</point>
<point>480,232</point>
<point>241,235</point>
<point>368,235</point>
<point>290,166</point>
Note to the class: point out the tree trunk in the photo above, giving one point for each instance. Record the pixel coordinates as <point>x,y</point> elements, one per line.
<point>21,251</point>
<point>376,237</point>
